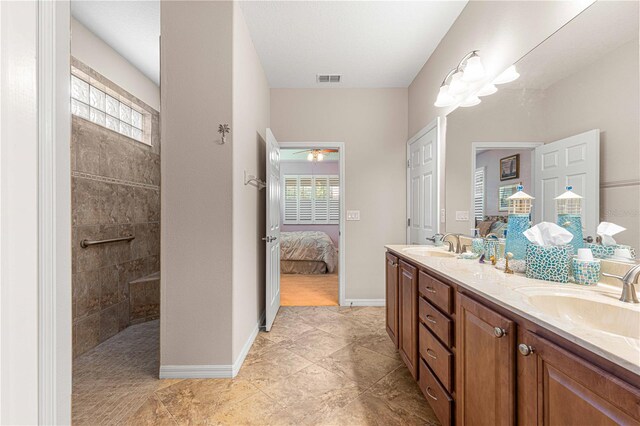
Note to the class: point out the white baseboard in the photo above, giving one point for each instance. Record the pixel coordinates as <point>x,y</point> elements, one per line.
<point>221,371</point>
<point>364,302</point>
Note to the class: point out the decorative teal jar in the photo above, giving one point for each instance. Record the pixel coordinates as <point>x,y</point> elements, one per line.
<point>519,208</point>
<point>516,241</point>
<point>569,208</point>
<point>586,272</point>
<point>477,246</point>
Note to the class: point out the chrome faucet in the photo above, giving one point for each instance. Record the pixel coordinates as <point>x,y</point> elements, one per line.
<point>457,236</point>
<point>628,284</point>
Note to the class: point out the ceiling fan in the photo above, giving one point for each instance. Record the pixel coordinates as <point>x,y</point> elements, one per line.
<point>317,154</point>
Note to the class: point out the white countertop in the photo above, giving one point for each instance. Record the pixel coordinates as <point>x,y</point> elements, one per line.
<point>515,292</point>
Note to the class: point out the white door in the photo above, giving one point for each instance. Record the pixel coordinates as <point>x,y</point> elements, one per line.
<point>423,187</point>
<point>572,161</point>
<point>272,238</point>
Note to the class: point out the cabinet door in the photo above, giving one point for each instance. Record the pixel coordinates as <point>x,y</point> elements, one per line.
<point>408,317</point>
<point>392,297</point>
<point>556,387</point>
<point>485,377</point>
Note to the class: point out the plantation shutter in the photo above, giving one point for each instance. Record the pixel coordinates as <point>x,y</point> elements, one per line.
<point>334,199</point>
<point>321,199</point>
<point>311,199</point>
<point>478,194</point>
<point>305,199</point>
<point>290,200</point>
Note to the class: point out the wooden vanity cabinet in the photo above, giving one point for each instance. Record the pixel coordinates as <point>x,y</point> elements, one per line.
<point>392,297</point>
<point>485,373</point>
<point>477,363</point>
<point>408,316</point>
<point>556,387</point>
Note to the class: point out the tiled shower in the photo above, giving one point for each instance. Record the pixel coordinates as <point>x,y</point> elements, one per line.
<point>115,193</point>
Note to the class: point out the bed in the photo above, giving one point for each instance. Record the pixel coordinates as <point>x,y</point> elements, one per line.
<point>307,252</point>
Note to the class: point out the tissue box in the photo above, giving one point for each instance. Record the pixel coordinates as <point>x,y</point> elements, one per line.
<point>586,272</point>
<point>549,263</point>
<point>605,252</point>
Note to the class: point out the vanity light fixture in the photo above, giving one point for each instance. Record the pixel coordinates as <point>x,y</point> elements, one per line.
<point>488,89</point>
<point>473,68</point>
<point>463,85</point>
<point>507,76</point>
<point>472,100</point>
<point>458,82</point>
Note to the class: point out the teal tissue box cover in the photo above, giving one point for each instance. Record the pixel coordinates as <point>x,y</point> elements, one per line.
<point>549,263</point>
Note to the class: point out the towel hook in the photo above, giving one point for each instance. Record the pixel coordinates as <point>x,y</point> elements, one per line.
<point>223,129</point>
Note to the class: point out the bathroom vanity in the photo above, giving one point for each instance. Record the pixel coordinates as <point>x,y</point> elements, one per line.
<point>487,348</point>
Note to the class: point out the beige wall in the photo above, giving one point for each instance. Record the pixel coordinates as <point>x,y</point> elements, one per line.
<point>196,255</point>
<point>98,55</point>
<point>250,120</point>
<point>372,124</point>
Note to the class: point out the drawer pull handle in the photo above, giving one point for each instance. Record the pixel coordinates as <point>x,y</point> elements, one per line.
<point>393,263</point>
<point>431,353</point>
<point>430,289</point>
<point>499,332</point>
<point>430,319</point>
<point>432,396</point>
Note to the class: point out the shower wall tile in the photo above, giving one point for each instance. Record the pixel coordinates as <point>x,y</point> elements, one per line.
<point>115,189</point>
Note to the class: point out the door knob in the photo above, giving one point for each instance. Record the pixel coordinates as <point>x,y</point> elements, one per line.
<point>499,332</point>
<point>525,349</point>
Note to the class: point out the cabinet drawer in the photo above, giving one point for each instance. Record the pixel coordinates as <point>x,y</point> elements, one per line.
<point>436,321</point>
<point>437,396</point>
<point>437,292</point>
<point>437,356</point>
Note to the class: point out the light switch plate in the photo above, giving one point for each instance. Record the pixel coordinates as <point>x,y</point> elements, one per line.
<point>353,214</point>
<point>443,215</point>
<point>462,216</point>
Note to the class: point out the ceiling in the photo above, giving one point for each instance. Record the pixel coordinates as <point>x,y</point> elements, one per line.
<point>131,28</point>
<point>370,43</point>
<point>600,29</point>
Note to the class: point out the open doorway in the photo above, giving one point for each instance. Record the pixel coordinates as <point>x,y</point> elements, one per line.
<point>497,170</point>
<point>312,243</point>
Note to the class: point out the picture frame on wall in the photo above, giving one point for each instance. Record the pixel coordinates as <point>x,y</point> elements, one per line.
<point>510,167</point>
<point>504,192</point>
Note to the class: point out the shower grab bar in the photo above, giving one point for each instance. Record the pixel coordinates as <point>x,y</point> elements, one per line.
<point>86,243</point>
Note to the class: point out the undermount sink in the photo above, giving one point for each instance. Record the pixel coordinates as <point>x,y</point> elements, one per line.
<point>429,251</point>
<point>594,311</point>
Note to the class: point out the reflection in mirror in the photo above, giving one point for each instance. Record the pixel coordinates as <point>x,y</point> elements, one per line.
<point>572,118</point>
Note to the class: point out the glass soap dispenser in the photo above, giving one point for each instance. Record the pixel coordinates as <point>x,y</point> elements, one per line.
<point>569,209</point>
<point>519,221</point>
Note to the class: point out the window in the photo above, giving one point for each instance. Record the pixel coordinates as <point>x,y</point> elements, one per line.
<point>311,199</point>
<point>98,106</point>
<point>478,194</point>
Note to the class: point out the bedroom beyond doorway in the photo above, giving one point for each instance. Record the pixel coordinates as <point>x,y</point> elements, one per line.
<point>310,226</point>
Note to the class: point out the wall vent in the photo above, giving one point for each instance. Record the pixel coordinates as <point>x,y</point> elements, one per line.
<point>328,78</point>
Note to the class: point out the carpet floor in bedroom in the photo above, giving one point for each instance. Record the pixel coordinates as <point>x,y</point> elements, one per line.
<point>309,290</point>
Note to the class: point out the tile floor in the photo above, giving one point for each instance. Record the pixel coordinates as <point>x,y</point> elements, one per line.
<point>317,366</point>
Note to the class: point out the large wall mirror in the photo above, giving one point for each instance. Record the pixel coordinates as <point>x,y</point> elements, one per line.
<point>578,89</point>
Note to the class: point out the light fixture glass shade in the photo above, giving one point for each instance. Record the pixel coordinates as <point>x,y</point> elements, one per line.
<point>320,156</point>
<point>444,99</point>
<point>488,89</point>
<point>507,76</point>
<point>310,157</point>
<point>457,86</point>
<point>474,70</point>
<point>472,100</point>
